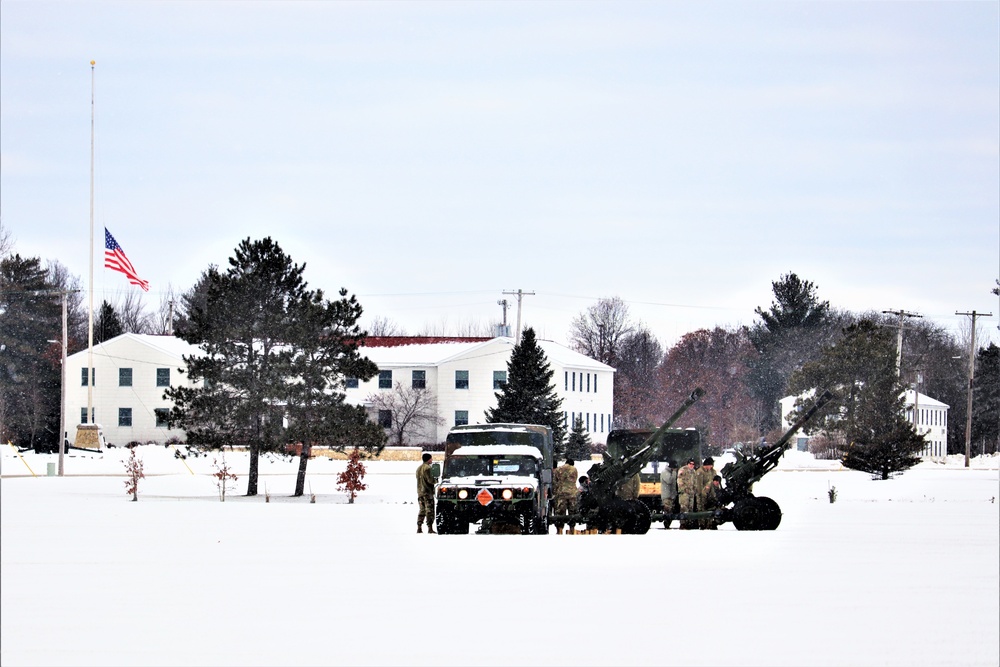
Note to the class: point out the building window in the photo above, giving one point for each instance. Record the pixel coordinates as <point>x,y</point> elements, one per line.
<point>124,416</point>
<point>565,380</point>
<point>83,415</point>
<point>124,377</point>
<point>162,377</point>
<point>602,422</point>
<point>499,379</point>
<point>461,417</point>
<point>595,383</point>
<point>83,377</point>
<point>385,418</point>
<point>385,379</point>
<point>588,422</point>
<point>161,417</point>
<point>574,381</point>
<point>419,379</point>
<point>351,383</point>
<point>588,382</point>
<point>461,379</point>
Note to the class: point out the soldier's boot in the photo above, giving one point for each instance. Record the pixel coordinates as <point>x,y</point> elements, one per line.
<point>558,530</point>
<point>571,530</point>
<point>430,529</point>
<point>419,529</point>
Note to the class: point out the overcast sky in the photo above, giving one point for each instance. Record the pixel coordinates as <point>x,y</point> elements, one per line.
<point>430,156</point>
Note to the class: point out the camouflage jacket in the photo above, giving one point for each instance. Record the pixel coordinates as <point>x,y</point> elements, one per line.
<point>686,481</point>
<point>630,489</point>
<point>564,481</point>
<point>704,477</point>
<point>425,481</point>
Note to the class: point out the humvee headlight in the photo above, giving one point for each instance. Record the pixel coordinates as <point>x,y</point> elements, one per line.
<point>508,494</point>
<point>527,490</point>
<point>463,494</point>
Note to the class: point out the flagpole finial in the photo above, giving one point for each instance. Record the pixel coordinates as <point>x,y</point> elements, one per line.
<point>92,63</point>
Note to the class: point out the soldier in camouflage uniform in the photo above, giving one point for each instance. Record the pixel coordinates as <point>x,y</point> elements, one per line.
<point>715,497</point>
<point>704,476</point>
<point>630,489</point>
<point>564,494</point>
<point>686,491</point>
<point>425,494</point>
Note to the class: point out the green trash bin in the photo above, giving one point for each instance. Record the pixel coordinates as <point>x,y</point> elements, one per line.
<point>50,469</point>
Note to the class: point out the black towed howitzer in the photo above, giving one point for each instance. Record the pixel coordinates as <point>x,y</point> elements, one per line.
<point>600,507</point>
<point>749,512</point>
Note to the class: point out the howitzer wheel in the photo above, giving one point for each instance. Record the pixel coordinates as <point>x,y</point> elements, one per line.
<point>756,514</point>
<point>639,519</point>
<point>770,513</point>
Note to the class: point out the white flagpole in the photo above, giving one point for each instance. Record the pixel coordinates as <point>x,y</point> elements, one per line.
<point>90,310</point>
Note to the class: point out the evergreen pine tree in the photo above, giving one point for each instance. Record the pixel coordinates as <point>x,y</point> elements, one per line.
<point>323,339</point>
<point>529,396</point>
<point>789,333</point>
<point>986,399</point>
<point>30,317</point>
<point>578,447</point>
<point>861,371</point>
<point>108,324</point>
<point>242,327</point>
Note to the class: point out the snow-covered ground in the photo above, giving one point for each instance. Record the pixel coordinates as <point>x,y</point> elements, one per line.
<point>903,572</point>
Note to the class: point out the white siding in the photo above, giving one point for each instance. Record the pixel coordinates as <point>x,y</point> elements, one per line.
<point>144,355</point>
<point>481,359</point>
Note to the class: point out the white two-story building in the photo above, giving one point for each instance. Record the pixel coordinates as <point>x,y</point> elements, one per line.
<point>464,374</point>
<point>129,374</point>
<point>930,421</point>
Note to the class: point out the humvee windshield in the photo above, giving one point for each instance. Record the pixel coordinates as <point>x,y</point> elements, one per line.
<point>471,466</point>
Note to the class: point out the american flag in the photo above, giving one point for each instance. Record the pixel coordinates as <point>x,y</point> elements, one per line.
<point>115,259</point>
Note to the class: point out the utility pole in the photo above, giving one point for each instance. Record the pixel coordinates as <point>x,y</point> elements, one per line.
<point>519,293</point>
<point>899,335</point>
<point>972,375</point>
<point>503,304</point>
<point>170,322</point>
<point>63,294</point>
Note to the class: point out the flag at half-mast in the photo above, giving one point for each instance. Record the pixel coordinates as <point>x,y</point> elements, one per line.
<point>115,259</point>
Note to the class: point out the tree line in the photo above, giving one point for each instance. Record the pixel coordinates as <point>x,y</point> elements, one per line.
<point>799,344</point>
<point>250,312</point>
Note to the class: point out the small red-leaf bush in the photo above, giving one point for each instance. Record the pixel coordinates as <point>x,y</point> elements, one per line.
<point>223,476</point>
<point>351,479</point>
<point>133,468</point>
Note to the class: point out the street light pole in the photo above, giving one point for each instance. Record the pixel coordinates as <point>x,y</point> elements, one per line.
<point>62,388</point>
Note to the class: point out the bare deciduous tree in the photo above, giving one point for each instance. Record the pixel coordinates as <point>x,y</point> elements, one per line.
<point>132,313</point>
<point>598,333</point>
<point>161,322</point>
<point>411,408</point>
<point>6,240</point>
<point>383,326</point>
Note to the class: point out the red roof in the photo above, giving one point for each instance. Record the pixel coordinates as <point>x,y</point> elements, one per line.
<point>396,341</point>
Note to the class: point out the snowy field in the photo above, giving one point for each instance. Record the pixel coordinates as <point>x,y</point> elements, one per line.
<point>904,572</point>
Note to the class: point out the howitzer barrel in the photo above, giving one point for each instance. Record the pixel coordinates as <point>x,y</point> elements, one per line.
<point>748,469</point>
<point>800,422</point>
<point>606,477</point>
